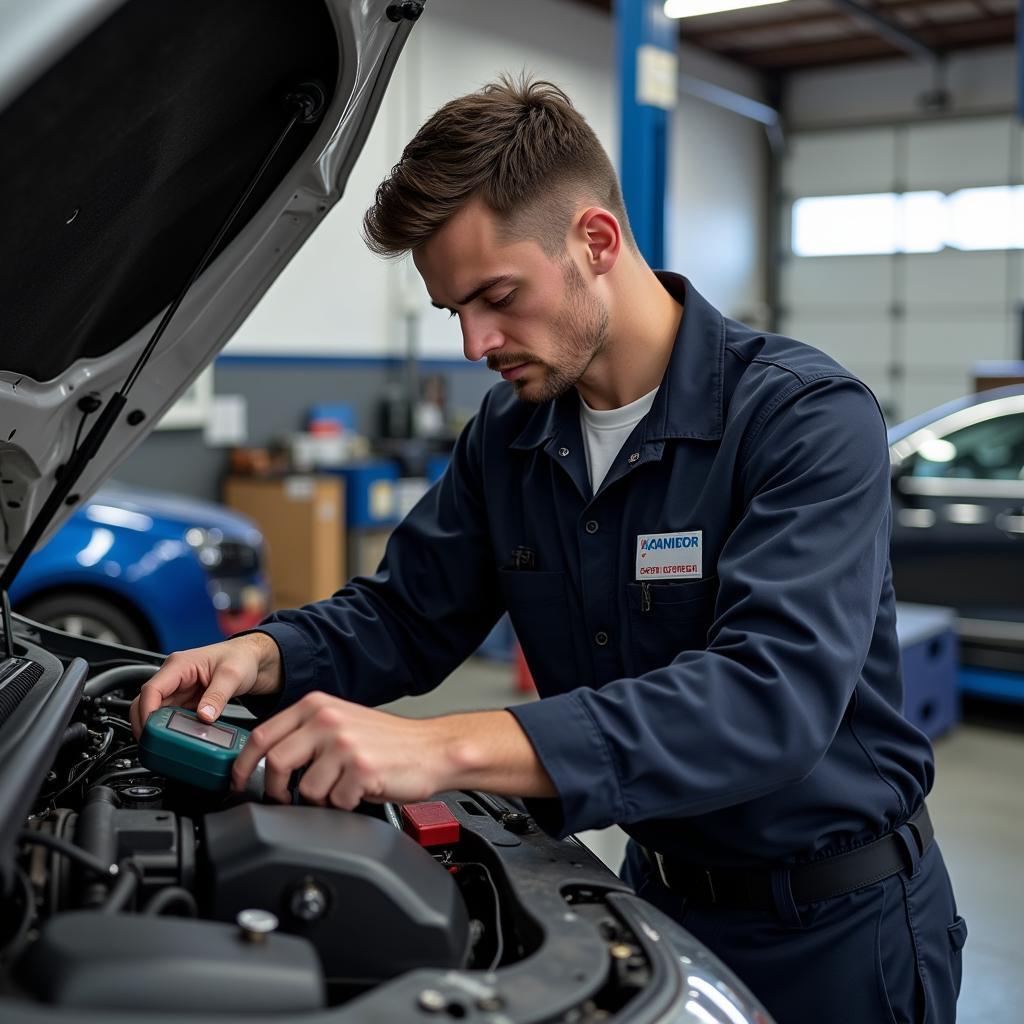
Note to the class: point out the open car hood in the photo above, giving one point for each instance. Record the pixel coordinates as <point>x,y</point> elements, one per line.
<point>131,131</point>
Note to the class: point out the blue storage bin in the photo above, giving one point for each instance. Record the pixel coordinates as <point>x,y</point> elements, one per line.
<point>370,498</point>
<point>342,413</point>
<point>929,651</point>
<point>436,465</point>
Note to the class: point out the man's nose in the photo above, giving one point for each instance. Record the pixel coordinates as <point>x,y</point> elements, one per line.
<point>479,338</point>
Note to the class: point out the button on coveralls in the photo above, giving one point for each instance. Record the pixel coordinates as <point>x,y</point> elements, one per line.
<point>746,715</point>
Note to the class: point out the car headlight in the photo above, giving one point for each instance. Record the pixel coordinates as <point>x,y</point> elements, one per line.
<point>231,557</point>
<point>207,546</point>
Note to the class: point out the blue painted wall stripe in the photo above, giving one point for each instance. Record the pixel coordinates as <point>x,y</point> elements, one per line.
<point>340,362</point>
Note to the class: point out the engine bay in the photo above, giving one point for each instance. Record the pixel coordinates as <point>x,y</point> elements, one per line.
<point>130,891</point>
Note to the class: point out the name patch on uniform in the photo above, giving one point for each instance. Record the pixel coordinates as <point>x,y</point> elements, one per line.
<point>670,556</point>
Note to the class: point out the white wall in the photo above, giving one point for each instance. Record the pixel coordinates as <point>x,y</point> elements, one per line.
<point>336,298</point>
<point>715,221</point>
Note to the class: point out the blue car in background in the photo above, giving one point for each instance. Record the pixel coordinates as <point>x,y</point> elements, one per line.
<point>147,569</point>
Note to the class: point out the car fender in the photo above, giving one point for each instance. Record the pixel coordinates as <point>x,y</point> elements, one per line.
<point>152,572</point>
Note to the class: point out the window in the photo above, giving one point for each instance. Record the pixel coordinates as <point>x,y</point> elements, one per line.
<point>970,219</point>
<point>990,450</point>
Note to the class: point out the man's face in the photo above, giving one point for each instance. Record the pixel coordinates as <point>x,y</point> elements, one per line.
<point>531,315</point>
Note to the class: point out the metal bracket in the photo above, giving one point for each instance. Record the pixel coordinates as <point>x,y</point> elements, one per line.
<point>407,10</point>
<point>308,100</point>
<point>889,30</point>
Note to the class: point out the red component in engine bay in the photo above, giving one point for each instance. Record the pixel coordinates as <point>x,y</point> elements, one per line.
<point>430,823</point>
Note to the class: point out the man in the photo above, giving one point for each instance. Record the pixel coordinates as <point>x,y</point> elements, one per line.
<point>688,522</point>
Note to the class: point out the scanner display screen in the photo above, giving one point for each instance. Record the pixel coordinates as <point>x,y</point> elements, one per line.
<point>215,734</point>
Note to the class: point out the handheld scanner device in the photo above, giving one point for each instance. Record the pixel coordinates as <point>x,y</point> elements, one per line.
<point>176,743</point>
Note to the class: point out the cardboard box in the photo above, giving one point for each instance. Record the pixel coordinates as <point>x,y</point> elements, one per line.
<point>303,523</point>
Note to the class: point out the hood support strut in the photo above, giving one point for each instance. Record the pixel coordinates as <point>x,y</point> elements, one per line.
<point>305,104</point>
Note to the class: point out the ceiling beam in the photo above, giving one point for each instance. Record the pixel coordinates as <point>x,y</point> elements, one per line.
<point>949,37</point>
<point>937,38</point>
<point>812,54</point>
<point>889,30</point>
<point>807,55</point>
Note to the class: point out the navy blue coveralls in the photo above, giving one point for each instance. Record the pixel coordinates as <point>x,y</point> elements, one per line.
<point>749,716</point>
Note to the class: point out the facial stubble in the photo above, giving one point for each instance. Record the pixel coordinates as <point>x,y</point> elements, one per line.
<point>582,329</point>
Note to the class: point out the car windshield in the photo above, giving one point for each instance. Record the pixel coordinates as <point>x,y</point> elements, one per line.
<point>990,450</point>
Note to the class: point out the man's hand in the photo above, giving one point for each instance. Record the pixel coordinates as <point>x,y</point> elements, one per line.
<point>208,677</point>
<point>356,753</point>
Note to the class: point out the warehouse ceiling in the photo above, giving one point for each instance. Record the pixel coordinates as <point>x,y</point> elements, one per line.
<point>813,33</point>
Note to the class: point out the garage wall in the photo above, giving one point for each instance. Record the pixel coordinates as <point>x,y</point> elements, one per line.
<point>337,298</point>
<point>910,324</point>
<point>979,81</point>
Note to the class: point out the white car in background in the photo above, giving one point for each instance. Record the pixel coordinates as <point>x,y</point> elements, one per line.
<point>958,528</point>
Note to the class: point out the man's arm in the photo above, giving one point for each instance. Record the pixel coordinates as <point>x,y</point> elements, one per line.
<point>356,753</point>
<point>398,632</point>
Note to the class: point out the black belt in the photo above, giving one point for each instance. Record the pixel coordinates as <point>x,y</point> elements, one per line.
<point>755,888</point>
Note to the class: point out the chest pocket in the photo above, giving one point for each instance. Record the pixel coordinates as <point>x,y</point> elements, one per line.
<point>668,618</point>
<point>538,605</point>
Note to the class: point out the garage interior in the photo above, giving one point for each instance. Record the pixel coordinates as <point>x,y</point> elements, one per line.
<point>849,173</point>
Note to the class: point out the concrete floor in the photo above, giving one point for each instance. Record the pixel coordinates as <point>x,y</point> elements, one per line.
<point>977,806</point>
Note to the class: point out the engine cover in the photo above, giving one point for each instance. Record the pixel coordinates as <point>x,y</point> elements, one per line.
<point>373,903</point>
<point>88,959</point>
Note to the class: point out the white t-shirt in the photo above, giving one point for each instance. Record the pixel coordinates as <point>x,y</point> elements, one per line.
<point>605,432</point>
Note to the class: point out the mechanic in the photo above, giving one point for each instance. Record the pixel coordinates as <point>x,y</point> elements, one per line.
<point>736,710</point>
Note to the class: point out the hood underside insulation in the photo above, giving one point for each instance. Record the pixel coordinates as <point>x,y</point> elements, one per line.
<point>125,157</point>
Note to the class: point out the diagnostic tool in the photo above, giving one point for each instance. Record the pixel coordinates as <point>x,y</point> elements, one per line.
<point>178,744</point>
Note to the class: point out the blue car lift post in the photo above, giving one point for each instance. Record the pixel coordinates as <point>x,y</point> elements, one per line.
<point>647,45</point>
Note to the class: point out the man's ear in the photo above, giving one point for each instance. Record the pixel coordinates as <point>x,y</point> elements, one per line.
<point>601,234</point>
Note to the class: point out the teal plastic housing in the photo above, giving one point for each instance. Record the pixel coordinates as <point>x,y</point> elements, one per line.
<point>164,748</point>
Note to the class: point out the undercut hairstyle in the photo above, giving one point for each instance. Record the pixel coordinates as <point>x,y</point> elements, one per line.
<point>520,146</point>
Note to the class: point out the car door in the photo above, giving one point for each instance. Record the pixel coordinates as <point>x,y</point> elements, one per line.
<point>958,503</point>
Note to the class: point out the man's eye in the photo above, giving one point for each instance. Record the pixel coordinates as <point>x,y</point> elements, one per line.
<point>502,303</point>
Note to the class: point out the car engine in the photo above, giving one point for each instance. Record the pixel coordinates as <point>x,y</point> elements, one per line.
<point>127,895</point>
<point>207,901</point>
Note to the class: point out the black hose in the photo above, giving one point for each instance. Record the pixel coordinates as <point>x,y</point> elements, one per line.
<point>124,889</point>
<point>76,853</point>
<point>79,771</point>
<point>113,704</point>
<point>115,678</point>
<point>168,897</point>
<point>75,734</point>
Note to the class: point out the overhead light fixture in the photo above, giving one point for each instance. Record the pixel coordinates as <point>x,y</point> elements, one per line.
<point>694,8</point>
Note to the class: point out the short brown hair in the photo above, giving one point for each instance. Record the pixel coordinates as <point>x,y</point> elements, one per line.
<point>518,144</point>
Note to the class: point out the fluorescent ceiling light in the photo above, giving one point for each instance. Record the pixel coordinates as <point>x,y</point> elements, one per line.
<point>693,8</point>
